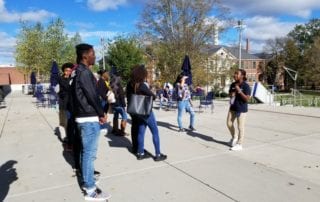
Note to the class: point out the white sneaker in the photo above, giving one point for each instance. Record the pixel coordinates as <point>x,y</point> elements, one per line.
<point>97,195</point>
<point>233,142</point>
<point>237,147</point>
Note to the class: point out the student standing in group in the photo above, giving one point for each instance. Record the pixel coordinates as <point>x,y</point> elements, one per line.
<point>89,115</point>
<point>103,87</point>
<point>184,101</point>
<point>138,85</point>
<point>64,104</point>
<point>239,96</point>
<point>118,106</point>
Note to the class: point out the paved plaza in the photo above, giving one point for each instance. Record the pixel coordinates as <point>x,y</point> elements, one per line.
<point>280,161</point>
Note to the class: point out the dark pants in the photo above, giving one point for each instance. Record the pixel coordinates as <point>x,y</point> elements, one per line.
<point>134,133</point>
<point>74,138</point>
<point>71,128</point>
<point>77,147</point>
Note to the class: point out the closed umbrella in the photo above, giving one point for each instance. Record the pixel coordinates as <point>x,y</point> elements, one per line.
<point>54,79</point>
<point>54,76</point>
<point>33,79</point>
<point>186,69</point>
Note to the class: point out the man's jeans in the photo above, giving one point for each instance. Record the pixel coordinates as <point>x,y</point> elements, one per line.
<point>89,135</point>
<point>185,105</point>
<point>152,124</point>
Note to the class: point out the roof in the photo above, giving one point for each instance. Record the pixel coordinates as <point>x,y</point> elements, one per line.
<point>234,51</point>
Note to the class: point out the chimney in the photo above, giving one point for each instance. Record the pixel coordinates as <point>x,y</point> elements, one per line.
<point>216,36</point>
<point>247,45</point>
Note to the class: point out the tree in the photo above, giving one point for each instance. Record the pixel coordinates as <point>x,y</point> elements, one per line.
<point>38,46</point>
<point>68,52</point>
<point>312,63</point>
<point>30,49</point>
<point>178,28</point>
<point>55,41</point>
<point>123,54</point>
<point>274,67</point>
<point>304,35</point>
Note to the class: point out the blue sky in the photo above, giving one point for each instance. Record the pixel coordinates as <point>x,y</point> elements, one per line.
<point>107,18</point>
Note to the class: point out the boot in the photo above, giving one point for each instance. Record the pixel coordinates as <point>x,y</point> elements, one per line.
<point>115,129</point>
<point>123,127</point>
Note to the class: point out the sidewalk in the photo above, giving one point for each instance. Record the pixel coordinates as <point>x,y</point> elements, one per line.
<point>280,160</point>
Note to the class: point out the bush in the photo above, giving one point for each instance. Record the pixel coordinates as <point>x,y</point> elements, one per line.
<point>221,94</point>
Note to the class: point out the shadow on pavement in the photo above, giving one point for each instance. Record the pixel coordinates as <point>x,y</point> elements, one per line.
<point>58,134</point>
<point>206,138</point>
<point>167,125</point>
<point>8,175</point>
<point>120,141</point>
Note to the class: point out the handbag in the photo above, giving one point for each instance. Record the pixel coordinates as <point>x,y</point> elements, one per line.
<point>111,97</point>
<point>140,105</point>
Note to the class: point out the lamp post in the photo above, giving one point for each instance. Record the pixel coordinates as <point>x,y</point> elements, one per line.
<point>294,75</point>
<point>207,75</point>
<point>103,50</point>
<point>240,28</point>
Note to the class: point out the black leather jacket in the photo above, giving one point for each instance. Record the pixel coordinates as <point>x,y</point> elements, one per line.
<point>85,93</point>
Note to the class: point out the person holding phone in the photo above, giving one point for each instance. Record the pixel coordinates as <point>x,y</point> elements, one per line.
<point>184,101</point>
<point>239,93</point>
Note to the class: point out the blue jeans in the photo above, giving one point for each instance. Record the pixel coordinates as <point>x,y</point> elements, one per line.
<point>185,105</point>
<point>121,111</point>
<point>152,124</point>
<point>89,136</point>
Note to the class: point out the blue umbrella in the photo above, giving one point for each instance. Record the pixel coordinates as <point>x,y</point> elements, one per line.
<point>186,69</point>
<point>54,76</point>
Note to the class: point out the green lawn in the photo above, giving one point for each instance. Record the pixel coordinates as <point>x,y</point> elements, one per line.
<point>306,99</point>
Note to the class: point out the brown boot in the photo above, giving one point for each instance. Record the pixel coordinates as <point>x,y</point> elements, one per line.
<point>115,129</point>
<point>123,127</point>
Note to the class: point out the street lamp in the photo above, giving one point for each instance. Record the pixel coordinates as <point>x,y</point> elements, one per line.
<point>103,50</point>
<point>240,28</point>
<point>294,75</point>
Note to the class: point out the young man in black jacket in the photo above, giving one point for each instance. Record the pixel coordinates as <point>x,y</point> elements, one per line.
<point>89,114</point>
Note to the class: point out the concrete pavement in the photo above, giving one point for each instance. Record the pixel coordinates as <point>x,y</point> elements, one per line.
<point>280,160</point>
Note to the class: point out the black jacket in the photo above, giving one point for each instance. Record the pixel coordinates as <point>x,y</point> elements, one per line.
<point>85,93</point>
<point>64,93</point>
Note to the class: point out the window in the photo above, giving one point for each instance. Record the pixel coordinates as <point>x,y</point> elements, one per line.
<point>254,65</point>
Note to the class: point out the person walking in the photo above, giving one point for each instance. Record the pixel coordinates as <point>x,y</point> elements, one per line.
<point>239,93</point>
<point>139,86</point>
<point>118,107</point>
<point>89,113</point>
<point>184,101</point>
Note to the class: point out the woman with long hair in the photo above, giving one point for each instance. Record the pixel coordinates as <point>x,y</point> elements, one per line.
<point>138,85</point>
<point>239,93</point>
<point>184,101</point>
<point>118,106</point>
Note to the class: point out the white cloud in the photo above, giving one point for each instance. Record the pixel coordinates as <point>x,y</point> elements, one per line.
<point>102,5</point>
<point>300,8</point>
<point>264,28</point>
<point>7,48</point>
<point>259,29</point>
<point>12,16</point>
